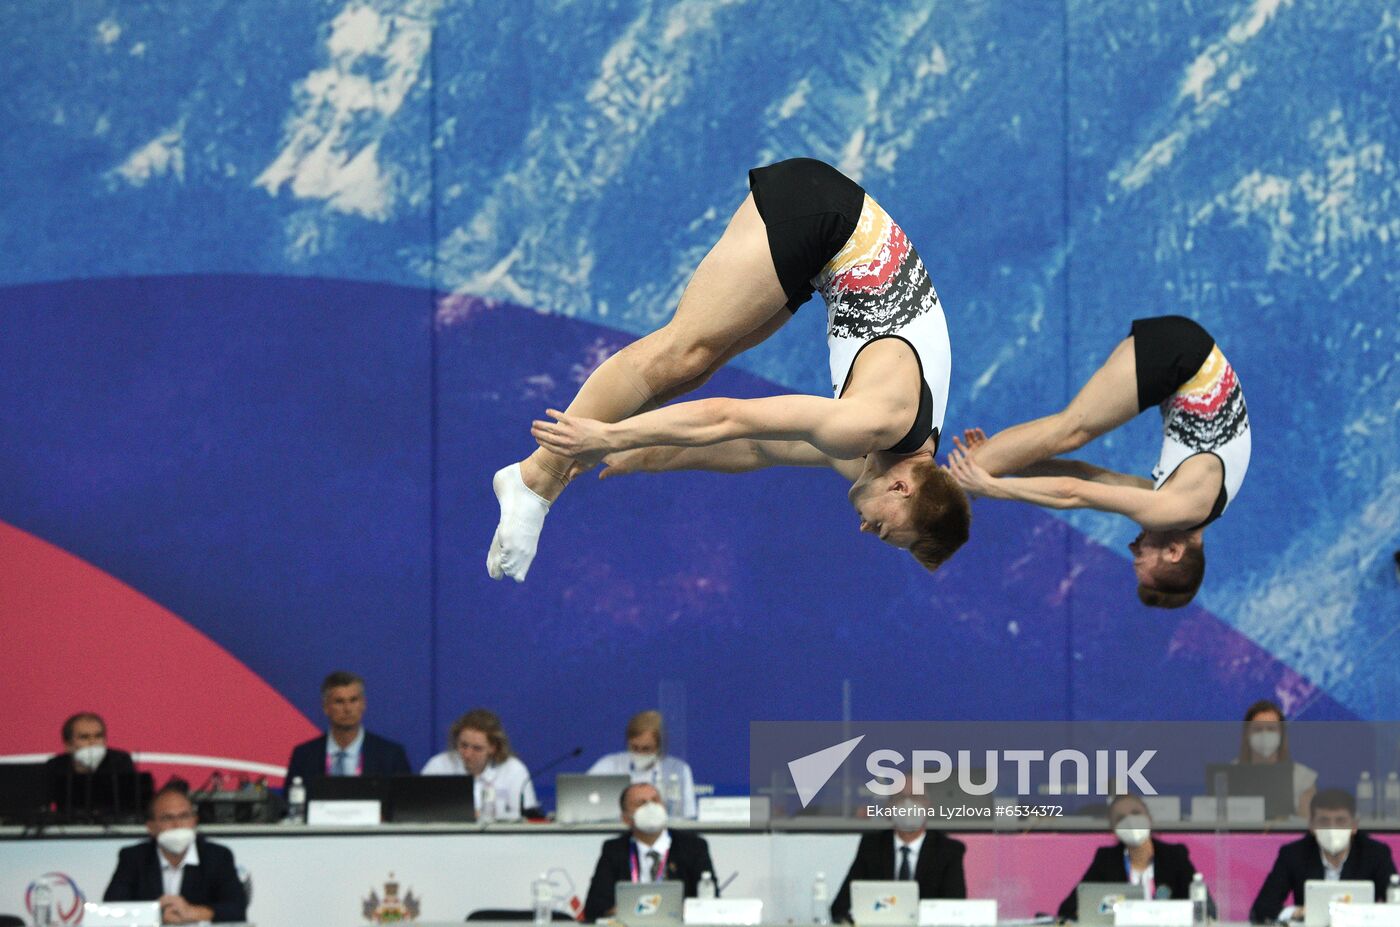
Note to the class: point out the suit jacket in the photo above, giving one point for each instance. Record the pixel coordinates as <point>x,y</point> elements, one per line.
<point>214,882</point>
<point>381,756</point>
<point>939,870</point>
<point>688,860</point>
<point>1301,860</point>
<point>1171,869</point>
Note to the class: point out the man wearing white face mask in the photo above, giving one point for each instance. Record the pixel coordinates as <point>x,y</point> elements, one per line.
<point>645,760</point>
<point>1333,849</point>
<point>194,879</point>
<point>650,852</point>
<point>86,750</point>
<point>910,853</point>
<point>1137,858</point>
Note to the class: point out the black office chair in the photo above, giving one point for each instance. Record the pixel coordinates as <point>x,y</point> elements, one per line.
<point>510,914</point>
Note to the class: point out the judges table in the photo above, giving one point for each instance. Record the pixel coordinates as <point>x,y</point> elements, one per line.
<point>304,875</point>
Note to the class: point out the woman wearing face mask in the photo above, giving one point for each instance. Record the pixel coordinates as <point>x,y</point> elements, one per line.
<point>1137,858</point>
<point>1265,740</point>
<point>645,760</point>
<point>478,747</point>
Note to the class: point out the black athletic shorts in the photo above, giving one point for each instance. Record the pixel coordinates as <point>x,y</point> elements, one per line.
<point>1169,350</point>
<point>810,209</point>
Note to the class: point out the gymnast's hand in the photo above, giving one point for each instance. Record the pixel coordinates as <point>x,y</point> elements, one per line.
<point>970,475</point>
<point>583,439</point>
<point>972,438</point>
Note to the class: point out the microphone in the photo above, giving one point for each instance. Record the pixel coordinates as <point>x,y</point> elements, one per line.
<point>538,814</point>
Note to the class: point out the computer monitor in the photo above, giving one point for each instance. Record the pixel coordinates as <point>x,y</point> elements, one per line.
<point>103,797</point>
<point>24,792</point>
<point>1272,781</point>
<point>431,800</point>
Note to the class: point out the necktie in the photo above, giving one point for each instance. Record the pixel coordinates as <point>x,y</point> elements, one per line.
<point>653,864</point>
<point>340,765</point>
<point>903,864</point>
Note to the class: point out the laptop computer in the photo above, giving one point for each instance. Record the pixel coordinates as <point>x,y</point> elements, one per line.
<point>1096,900</point>
<point>24,792</point>
<point>650,904</point>
<point>1273,781</point>
<point>1319,896</point>
<point>585,799</point>
<point>884,903</point>
<point>431,800</point>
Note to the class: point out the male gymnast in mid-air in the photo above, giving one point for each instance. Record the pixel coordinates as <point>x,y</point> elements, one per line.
<point>803,226</point>
<point>1171,362</point>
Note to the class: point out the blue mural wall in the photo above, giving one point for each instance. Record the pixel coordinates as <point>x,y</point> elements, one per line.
<point>284,284</point>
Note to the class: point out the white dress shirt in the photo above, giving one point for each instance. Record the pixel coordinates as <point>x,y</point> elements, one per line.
<point>662,847</point>
<point>172,876</point>
<point>511,786</point>
<point>914,846</point>
<point>660,774</point>
<point>352,754</point>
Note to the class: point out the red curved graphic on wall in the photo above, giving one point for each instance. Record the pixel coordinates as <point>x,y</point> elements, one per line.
<point>79,639</point>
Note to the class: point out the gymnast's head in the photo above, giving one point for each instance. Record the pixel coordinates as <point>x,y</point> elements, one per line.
<point>910,502</point>
<point>1169,566</point>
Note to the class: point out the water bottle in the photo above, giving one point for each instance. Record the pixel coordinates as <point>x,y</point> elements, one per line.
<point>1365,797</point>
<point>487,812</point>
<point>542,898</point>
<point>673,796</point>
<point>821,900</point>
<point>296,801</point>
<point>1392,797</point>
<point>43,903</point>
<point>1200,900</point>
<point>707,886</point>
<point>1392,892</point>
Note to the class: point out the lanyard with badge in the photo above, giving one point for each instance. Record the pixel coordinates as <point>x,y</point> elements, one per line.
<point>1146,879</point>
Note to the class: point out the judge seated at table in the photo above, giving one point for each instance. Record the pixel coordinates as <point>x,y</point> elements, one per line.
<point>194,879</point>
<point>85,750</point>
<point>346,749</point>
<point>1137,858</point>
<point>1333,849</point>
<point>649,852</point>
<point>909,852</point>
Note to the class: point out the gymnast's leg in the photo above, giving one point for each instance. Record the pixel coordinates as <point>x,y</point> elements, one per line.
<point>1109,399</point>
<point>733,295</point>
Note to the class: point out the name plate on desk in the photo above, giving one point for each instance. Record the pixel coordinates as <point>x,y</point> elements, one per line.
<point>1138,913</point>
<point>942,912</point>
<point>1365,915</point>
<point>122,913</point>
<point>356,813</point>
<point>1239,809</point>
<point>742,912</point>
<point>732,809</point>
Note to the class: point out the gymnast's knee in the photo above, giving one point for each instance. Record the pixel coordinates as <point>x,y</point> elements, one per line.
<point>666,363</point>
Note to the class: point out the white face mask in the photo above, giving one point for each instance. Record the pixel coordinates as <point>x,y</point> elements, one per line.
<point>1333,840</point>
<point>908,816</point>
<point>1133,830</point>
<point>176,840</point>
<point>650,818</point>
<point>1265,743</point>
<point>642,760</point>
<point>91,756</point>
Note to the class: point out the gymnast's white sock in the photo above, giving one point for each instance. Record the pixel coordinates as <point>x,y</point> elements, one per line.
<point>518,534</point>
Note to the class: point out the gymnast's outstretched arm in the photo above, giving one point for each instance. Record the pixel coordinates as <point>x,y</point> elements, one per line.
<point>841,428</point>
<point>738,456</point>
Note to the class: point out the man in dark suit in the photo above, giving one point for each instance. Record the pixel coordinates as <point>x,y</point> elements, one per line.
<point>85,749</point>
<point>1137,857</point>
<point>194,879</point>
<point>911,851</point>
<point>1333,849</point>
<point>649,853</point>
<point>347,749</point>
